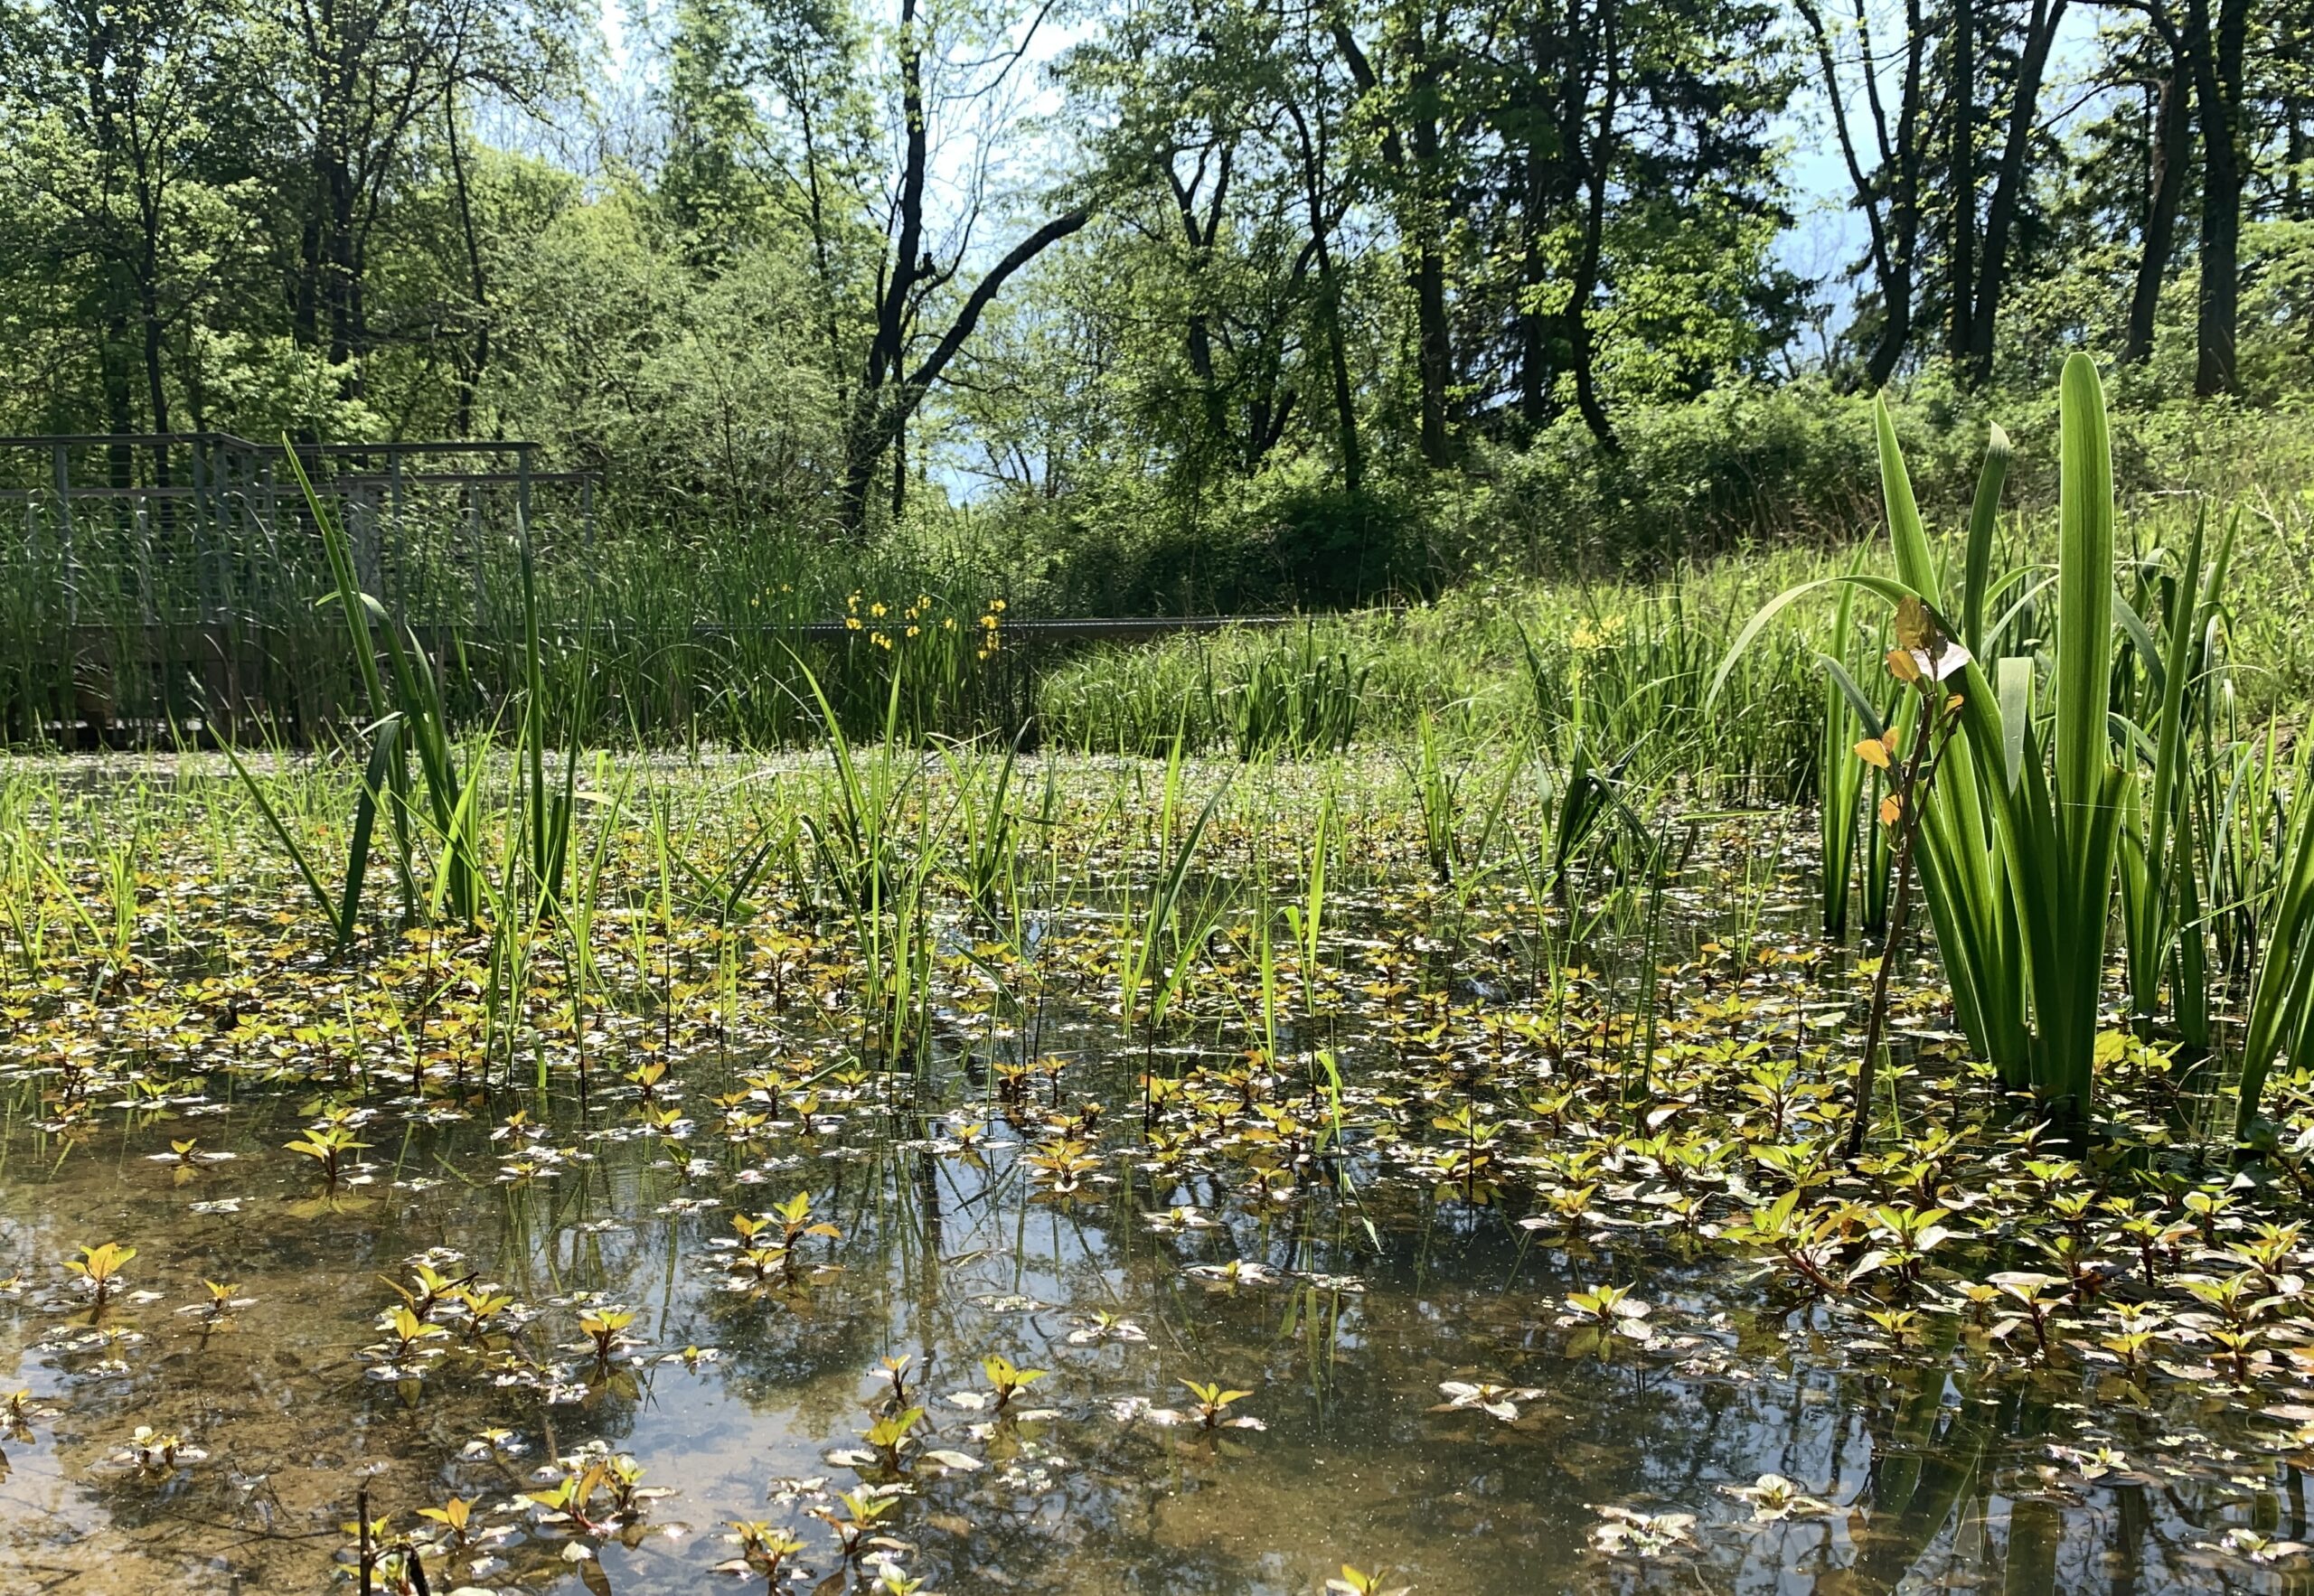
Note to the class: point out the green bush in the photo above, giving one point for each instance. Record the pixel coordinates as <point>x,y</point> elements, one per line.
<point>1288,540</point>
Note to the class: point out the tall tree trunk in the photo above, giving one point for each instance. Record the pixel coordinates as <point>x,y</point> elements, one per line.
<point>1353,460</point>
<point>1904,206</point>
<point>2168,155</point>
<point>2293,188</point>
<point>1892,225</point>
<point>886,401</point>
<point>337,257</point>
<point>151,241</point>
<point>474,369</point>
<point>1961,180</point>
<point>870,430</point>
<point>150,323</point>
<point>864,442</point>
<point>822,262</point>
<point>1434,353</point>
<point>2216,46</point>
<point>1535,197</point>
<point>899,473</point>
<point>305,294</point>
<point>156,392</point>
<point>120,402</point>
<point>2008,185</point>
<point>1534,342</point>
<point>1418,179</point>
<point>115,280</point>
<point>1597,147</point>
<point>1197,338</point>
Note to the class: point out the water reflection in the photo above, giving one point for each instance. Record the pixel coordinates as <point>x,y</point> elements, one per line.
<point>1936,1478</point>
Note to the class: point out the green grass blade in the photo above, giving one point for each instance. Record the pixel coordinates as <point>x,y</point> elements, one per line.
<point>1984,519</point>
<point>2084,592</point>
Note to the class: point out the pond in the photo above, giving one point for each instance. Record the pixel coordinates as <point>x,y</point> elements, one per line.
<point>1443,1250</point>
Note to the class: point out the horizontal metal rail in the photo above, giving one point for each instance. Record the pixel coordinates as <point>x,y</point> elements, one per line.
<point>149,641</point>
<point>413,479</point>
<point>148,440</point>
<point>343,479</point>
<point>1091,629</point>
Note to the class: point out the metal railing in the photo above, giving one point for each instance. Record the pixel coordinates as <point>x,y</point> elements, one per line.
<point>207,527</point>
<point>163,579</point>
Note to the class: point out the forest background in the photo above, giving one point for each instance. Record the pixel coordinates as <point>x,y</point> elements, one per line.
<point>1226,306</point>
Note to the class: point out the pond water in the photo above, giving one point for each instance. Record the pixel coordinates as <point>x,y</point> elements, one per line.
<point>1432,1387</point>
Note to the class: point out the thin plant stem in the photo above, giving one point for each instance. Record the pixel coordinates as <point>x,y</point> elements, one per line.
<point>1918,771</point>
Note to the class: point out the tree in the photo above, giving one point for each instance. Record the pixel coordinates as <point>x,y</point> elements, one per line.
<point>2169,155</point>
<point>113,106</point>
<point>1213,215</point>
<point>358,82</point>
<point>900,369</point>
<point>2212,38</point>
<point>1982,272</point>
<point>1885,176</point>
<point>1419,46</point>
<point>1604,136</point>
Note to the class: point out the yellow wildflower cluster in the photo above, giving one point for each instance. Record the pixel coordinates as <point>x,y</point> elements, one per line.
<point>1590,637</point>
<point>876,618</point>
<point>991,629</point>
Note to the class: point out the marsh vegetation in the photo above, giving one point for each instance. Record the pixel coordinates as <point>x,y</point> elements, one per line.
<point>481,1157</point>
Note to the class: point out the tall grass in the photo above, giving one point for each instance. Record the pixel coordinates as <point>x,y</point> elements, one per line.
<point>407,718</point>
<point>2020,834</point>
<point>1842,781</point>
<point>2160,895</point>
<point>2280,1019</point>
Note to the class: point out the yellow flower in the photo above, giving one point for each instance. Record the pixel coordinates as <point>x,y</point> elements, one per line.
<point>912,631</point>
<point>1605,632</point>
<point>851,623</point>
<point>876,608</point>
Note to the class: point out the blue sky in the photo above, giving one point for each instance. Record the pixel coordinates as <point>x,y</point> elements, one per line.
<point>1828,234</point>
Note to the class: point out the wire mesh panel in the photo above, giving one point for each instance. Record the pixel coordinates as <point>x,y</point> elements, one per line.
<point>166,587</point>
<point>171,579</point>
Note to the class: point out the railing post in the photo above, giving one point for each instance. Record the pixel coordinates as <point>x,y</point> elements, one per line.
<point>64,533</point>
<point>474,545</point>
<point>204,545</point>
<point>399,532</point>
<point>270,519</point>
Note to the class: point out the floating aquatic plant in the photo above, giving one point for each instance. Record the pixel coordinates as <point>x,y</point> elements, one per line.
<point>97,1269</point>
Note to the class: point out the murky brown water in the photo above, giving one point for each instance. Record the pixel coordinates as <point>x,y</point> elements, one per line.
<point>947,1257</point>
<point>1371,1294</point>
